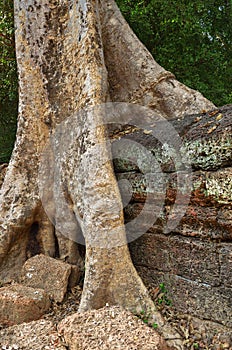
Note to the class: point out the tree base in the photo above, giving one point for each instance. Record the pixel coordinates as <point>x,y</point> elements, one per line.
<point>121,285</point>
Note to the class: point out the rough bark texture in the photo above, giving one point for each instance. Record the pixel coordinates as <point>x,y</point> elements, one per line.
<point>75,54</point>
<point>194,260</point>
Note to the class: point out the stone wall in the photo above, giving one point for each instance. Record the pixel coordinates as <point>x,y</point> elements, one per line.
<point>194,260</point>
<point>197,274</point>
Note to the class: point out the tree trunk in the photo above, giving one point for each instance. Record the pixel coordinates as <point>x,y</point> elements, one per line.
<point>74,55</point>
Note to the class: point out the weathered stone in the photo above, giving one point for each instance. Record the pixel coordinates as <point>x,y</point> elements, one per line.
<point>201,299</point>
<point>208,214</point>
<point>206,150</point>
<point>67,60</point>
<point>74,276</point>
<point>109,328</point>
<point>206,223</point>
<point>186,257</point>
<point>196,254</point>
<point>190,297</point>
<point>141,186</point>
<point>197,273</point>
<point>225,257</point>
<point>224,218</point>
<point>20,304</point>
<point>35,335</point>
<point>47,273</point>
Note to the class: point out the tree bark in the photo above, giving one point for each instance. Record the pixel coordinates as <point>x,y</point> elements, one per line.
<point>74,55</point>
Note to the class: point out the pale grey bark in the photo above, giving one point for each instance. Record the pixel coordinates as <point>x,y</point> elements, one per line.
<point>134,76</point>
<point>73,54</point>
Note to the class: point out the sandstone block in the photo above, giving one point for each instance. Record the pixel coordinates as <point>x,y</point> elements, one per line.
<point>225,255</point>
<point>20,304</point>
<point>109,328</point>
<point>74,277</point>
<point>193,298</point>
<point>186,257</point>
<point>35,335</point>
<point>47,273</point>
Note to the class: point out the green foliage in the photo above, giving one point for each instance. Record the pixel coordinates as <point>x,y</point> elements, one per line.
<point>146,319</point>
<point>154,325</point>
<point>8,81</point>
<point>192,39</point>
<point>161,301</point>
<point>162,297</point>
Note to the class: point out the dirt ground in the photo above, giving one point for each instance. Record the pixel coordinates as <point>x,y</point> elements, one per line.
<point>42,334</point>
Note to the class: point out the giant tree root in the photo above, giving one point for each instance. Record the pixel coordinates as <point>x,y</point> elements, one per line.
<point>71,55</point>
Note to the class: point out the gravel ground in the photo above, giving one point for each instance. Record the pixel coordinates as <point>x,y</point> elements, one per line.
<point>110,328</point>
<point>36,335</point>
<point>93,326</point>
